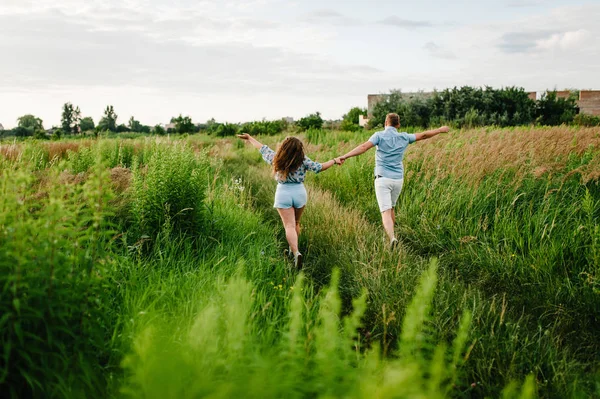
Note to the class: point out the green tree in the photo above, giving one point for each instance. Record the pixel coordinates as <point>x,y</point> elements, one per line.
<point>20,131</point>
<point>31,123</point>
<point>40,134</point>
<point>350,121</point>
<point>158,129</point>
<point>134,126</point>
<point>312,121</point>
<point>71,118</point>
<point>122,128</point>
<point>109,120</point>
<point>552,110</point>
<point>183,124</point>
<point>87,124</point>
<point>226,129</point>
<point>57,133</point>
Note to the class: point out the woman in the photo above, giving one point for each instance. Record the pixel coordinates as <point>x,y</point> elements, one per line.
<point>389,170</point>
<point>289,168</point>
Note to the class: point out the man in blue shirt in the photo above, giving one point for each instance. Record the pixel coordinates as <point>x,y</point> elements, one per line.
<point>389,170</point>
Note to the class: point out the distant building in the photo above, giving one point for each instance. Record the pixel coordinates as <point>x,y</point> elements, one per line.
<point>589,102</point>
<point>362,120</point>
<point>288,119</point>
<point>563,94</point>
<point>169,126</point>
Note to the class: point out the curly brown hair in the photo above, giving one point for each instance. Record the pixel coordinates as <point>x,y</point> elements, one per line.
<point>289,157</point>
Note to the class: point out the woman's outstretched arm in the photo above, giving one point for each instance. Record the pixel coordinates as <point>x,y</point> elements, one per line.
<point>327,165</point>
<point>255,143</point>
<point>318,167</point>
<point>267,154</point>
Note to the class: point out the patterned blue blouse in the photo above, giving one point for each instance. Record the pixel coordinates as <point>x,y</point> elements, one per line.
<point>296,176</point>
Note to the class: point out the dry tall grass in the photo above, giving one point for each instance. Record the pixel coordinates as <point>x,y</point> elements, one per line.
<point>473,154</point>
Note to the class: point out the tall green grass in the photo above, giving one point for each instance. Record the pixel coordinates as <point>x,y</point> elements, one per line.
<point>54,272</point>
<point>531,237</point>
<point>334,235</point>
<point>211,307</point>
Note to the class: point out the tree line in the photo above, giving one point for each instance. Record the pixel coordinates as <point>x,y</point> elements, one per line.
<point>475,106</point>
<point>460,107</point>
<point>73,123</point>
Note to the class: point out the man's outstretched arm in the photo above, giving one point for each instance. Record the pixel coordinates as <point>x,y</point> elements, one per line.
<point>431,133</point>
<point>361,149</point>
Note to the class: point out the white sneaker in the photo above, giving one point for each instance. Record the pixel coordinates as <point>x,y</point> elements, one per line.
<point>288,253</point>
<point>394,244</point>
<point>298,261</point>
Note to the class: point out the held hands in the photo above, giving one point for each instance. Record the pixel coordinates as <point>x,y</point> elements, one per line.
<point>444,129</point>
<point>339,161</point>
<point>244,136</point>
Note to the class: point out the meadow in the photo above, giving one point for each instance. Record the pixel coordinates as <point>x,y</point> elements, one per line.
<point>153,267</point>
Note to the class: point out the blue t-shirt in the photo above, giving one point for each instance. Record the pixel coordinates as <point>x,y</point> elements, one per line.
<point>390,152</point>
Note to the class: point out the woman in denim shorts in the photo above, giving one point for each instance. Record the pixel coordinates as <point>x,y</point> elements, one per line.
<point>289,169</point>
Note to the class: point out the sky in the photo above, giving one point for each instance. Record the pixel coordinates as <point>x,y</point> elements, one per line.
<point>242,60</point>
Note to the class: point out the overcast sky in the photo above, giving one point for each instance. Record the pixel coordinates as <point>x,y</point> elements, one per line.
<point>239,60</point>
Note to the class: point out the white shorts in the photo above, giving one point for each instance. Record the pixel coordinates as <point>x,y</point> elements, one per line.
<point>387,192</point>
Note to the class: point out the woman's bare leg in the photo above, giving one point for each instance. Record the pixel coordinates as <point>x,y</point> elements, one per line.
<point>298,214</point>
<point>288,217</point>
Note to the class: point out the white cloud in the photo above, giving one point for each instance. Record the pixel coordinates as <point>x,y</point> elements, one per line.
<point>564,41</point>
<point>439,52</point>
<point>270,58</point>
<point>404,23</point>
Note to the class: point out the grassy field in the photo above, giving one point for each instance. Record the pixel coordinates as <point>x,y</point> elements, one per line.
<point>154,267</point>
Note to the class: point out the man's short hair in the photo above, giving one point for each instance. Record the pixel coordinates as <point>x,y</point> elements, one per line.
<point>392,119</point>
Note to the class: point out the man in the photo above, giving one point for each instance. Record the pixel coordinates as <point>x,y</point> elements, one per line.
<point>389,171</point>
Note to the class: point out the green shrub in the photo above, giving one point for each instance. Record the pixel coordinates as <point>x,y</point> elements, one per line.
<point>40,135</point>
<point>223,129</point>
<point>81,161</point>
<point>350,121</point>
<point>264,127</point>
<point>349,126</point>
<point>54,306</point>
<point>586,120</point>
<point>117,153</point>
<point>552,110</point>
<point>167,193</point>
<point>158,129</point>
<point>312,121</point>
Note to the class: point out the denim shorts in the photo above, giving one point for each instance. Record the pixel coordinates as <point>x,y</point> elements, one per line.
<point>290,195</point>
<point>387,192</point>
